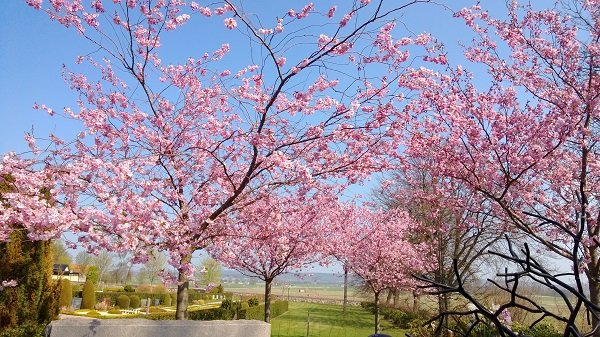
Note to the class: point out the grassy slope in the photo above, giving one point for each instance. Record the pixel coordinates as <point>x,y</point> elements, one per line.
<point>327,321</point>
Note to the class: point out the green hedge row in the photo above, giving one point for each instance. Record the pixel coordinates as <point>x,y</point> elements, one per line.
<point>193,296</point>
<point>114,296</point>
<point>258,312</point>
<point>212,314</point>
<point>228,312</point>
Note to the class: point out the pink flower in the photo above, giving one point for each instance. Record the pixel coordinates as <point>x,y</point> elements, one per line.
<point>264,31</point>
<point>37,4</point>
<point>230,23</point>
<point>331,11</point>
<point>9,283</point>
<point>345,20</point>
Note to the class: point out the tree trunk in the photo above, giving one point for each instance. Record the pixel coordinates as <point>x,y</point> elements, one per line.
<point>183,284</point>
<point>416,301</point>
<point>396,298</point>
<point>390,294</point>
<point>442,303</point>
<point>376,312</point>
<point>345,289</point>
<point>594,287</point>
<point>268,300</point>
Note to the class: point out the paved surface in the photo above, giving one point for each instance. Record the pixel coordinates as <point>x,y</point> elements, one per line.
<point>85,327</point>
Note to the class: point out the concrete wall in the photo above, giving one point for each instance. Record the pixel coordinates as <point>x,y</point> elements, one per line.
<point>74,327</point>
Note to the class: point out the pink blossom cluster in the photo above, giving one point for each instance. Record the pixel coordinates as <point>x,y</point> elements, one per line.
<point>8,284</point>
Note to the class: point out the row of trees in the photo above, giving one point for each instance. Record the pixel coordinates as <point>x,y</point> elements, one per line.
<point>170,154</point>
<point>173,156</point>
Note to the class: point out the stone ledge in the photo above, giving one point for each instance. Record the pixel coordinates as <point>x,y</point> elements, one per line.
<point>73,327</point>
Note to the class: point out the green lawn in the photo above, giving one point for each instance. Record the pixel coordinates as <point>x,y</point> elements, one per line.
<point>327,321</point>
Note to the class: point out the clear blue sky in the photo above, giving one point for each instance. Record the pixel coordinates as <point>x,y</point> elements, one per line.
<point>33,50</point>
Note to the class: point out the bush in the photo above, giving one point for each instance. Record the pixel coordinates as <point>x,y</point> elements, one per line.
<point>114,311</point>
<point>540,330</point>
<point>123,301</point>
<point>29,329</point>
<point>154,289</point>
<point>128,288</point>
<point>154,310</point>
<point>93,313</point>
<point>369,306</point>
<point>258,312</point>
<point>166,300</point>
<point>212,314</point>
<point>88,296</point>
<point>194,295</point>
<point>227,304</point>
<point>400,318</point>
<point>113,296</point>
<point>419,328</point>
<point>159,316</point>
<point>134,301</point>
<point>66,293</point>
<point>252,302</point>
<point>101,306</point>
<point>244,306</point>
<point>93,274</point>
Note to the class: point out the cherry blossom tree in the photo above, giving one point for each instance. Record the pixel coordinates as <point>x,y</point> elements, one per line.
<point>527,141</point>
<point>455,226</point>
<point>277,235</point>
<point>167,148</point>
<point>375,245</point>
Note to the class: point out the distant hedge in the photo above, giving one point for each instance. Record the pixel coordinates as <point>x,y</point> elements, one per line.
<point>114,296</point>
<point>258,312</point>
<point>212,314</point>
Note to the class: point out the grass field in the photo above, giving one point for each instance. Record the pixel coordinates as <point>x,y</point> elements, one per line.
<point>314,291</point>
<point>327,321</point>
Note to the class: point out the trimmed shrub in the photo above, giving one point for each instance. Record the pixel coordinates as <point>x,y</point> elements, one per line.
<point>66,293</point>
<point>113,296</point>
<point>93,313</point>
<point>114,311</point>
<point>128,288</point>
<point>134,301</point>
<point>148,289</point>
<point>166,300</point>
<point>88,296</point>
<point>258,312</point>
<point>34,301</point>
<point>155,310</point>
<point>252,302</point>
<point>159,316</point>
<point>123,301</point>
<point>212,314</point>
<point>227,304</point>
<point>194,295</point>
